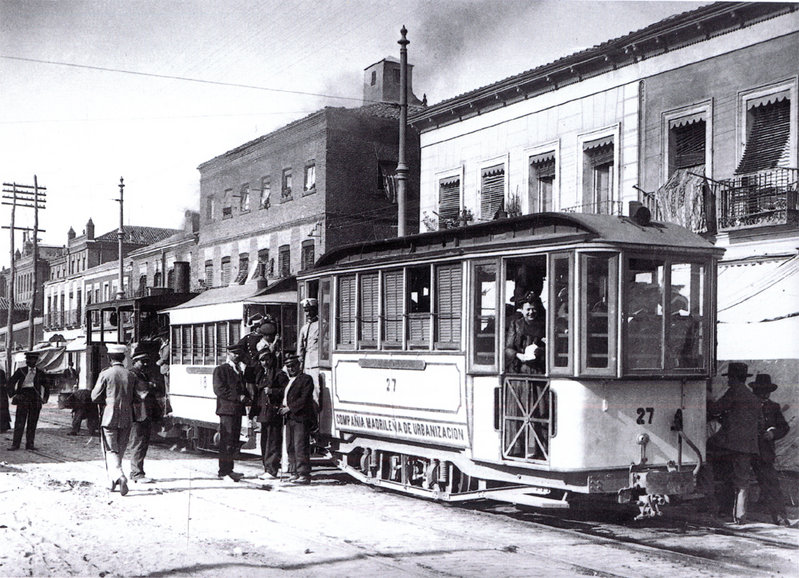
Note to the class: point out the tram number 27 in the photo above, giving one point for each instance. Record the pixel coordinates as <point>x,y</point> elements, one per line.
<point>642,412</point>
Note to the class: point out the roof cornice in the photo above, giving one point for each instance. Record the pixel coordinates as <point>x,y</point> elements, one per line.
<point>670,34</point>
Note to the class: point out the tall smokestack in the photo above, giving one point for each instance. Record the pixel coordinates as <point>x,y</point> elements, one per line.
<point>402,166</point>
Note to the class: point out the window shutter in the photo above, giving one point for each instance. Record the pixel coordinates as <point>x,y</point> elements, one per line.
<point>689,145</point>
<point>221,342</point>
<point>448,305</point>
<point>197,350</point>
<point>368,308</point>
<point>392,307</point>
<point>209,353</point>
<point>346,311</point>
<point>448,200</point>
<point>492,194</point>
<point>766,147</point>
<point>244,266</point>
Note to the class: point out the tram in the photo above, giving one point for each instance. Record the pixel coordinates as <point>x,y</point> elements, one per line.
<point>419,385</point>
<point>200,331</point>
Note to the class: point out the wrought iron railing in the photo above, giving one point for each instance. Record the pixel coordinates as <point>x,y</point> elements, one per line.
<point>599,208</point>
<point>763,198</point>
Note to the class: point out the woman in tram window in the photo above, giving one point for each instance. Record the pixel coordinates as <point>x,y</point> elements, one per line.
<point>524,342</point>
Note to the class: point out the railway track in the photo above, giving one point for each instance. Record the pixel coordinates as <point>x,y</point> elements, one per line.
<point>650,546</point>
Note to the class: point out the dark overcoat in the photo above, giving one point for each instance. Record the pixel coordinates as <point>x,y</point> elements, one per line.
<point>299,399</point>
<point>229,389</point>
<point>270,385</point>
<point>741,420</point>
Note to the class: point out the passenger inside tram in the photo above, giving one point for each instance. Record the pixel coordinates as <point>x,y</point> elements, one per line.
<point>525,340</point>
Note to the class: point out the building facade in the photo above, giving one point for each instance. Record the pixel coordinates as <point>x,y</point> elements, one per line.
<point>694,116</point>
<point>278,202</point>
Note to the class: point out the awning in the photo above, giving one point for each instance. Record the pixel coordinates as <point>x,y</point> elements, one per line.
<point>758,291</point>
<point>77,344</point>
<point>768,99</point>
<point>686,120</point>
<point>597,143</point>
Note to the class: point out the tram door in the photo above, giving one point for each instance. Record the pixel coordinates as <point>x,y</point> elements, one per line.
<point>526,396</point>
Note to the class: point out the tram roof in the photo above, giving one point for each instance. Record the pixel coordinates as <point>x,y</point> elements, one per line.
<point>526,230</point>
<point>275,292</point>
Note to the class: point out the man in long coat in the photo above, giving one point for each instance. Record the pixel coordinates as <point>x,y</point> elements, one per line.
<point>270,382</point>
<point>29,389</point>
<point>231,401</point>
<point>115,387</point>
<point>736,443</point>
<point>146,412</point>
<point>774,428</point>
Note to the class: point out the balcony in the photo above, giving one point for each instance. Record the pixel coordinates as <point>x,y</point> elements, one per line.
<point>598,208</point>
<point>758,199</point>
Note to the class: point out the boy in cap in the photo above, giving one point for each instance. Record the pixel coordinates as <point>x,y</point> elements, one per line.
<point>299,412</point>
<point>29,389</point>
<point>736,443</point>
<point>775,428</point>
<point>270,382</point>
<point>116,386</point>
<point>231,399</point>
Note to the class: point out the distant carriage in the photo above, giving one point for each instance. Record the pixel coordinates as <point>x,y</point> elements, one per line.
<point>418,395</point>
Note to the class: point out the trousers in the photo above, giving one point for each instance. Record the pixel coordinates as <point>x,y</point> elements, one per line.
<point>28,410</point>
<point>139,443</point>
<point>229,431</point>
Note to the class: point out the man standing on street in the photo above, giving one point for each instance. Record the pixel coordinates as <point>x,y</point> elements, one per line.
<point>82,405</point>
<point>308,352</point>
<point>298,409</point>
<point>5,412</point>
<point>736,443</point>
<point>146,412</point>
<point>231,399</point>
<point>775,428</point>
<point>115,385</point>
<point>29,389</point>
<point>270,382</point>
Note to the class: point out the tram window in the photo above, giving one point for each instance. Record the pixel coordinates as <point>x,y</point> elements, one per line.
<point>644,313</point>
<point>484,307</point>
<point>221,342</point>
<point>598,312</point>
<point>419,307</point>
<point>209,356</point>
<point>525,338</point>
<point>561,316</point>
<point>175,345</point>
<point>234,333</point>
<point>345,330</point>
<point>197,350</point>
<point>367,312</point>
<point>448,301</point>
<point>393,294</point>
<point>685,338</point>
<point>324,321</point>
<point>186,344</point>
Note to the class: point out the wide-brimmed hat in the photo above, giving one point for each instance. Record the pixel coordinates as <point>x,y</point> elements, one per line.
<point>140,353</point>
<point>763,383</point>
<point>32,355</point>
<point>291,359</point>
<point>738,369</point>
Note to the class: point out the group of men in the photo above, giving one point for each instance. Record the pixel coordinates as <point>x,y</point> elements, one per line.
<point>283,395</point>
<point>750,424</point>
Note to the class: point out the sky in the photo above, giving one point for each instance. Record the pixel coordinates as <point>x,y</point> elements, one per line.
<point>148,90</point>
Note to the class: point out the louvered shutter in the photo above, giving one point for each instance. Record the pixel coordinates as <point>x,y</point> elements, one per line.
<point>197,349</point>
<point>492,191</point>
<point>689,145</point>
<point>186,344</point>
<point>368,310</point>
<point>209,353</point>
<point>449,195</point>
<point>448,306</point>
<point>346,312</point>
<point>767,145</point>
<point>392,308</point>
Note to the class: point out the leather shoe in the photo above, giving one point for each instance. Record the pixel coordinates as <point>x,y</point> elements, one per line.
<point>72,433</point>
<point>113,485</point>
<point>234,476</point>
<point>30,448</point>
<point>780,520</point>
<point>302,481</point>
<point>268,476</point>
<point>143,480</point>
<point>123,485</point>
<point>13,448</point>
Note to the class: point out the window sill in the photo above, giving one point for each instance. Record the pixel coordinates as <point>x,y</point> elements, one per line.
<point>309,192</point>
<point>286,198</point>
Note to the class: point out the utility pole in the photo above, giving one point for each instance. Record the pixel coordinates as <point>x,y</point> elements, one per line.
<point>402,165</point>
<point>31,197</point>
<point>120,238</point>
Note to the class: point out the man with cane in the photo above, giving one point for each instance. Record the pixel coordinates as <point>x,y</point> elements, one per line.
<point>116,385</point>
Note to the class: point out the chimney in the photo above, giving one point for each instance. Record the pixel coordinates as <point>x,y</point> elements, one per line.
<point>182,277</point>
<point>90,229</point>
<point>191,221</point>
<point>381,82</point>
<point>70,234</point>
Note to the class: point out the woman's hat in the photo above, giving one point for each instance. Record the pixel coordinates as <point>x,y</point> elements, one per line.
<point>762,383</point>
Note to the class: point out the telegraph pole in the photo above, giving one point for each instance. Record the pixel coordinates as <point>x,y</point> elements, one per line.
<point>120,238</point>
<point>31,197</point>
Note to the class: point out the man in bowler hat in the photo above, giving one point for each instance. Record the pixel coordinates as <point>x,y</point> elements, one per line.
<point>231,401</point>
<point>735,445</point>
<point>775,428</point>
<point>29,389</point>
